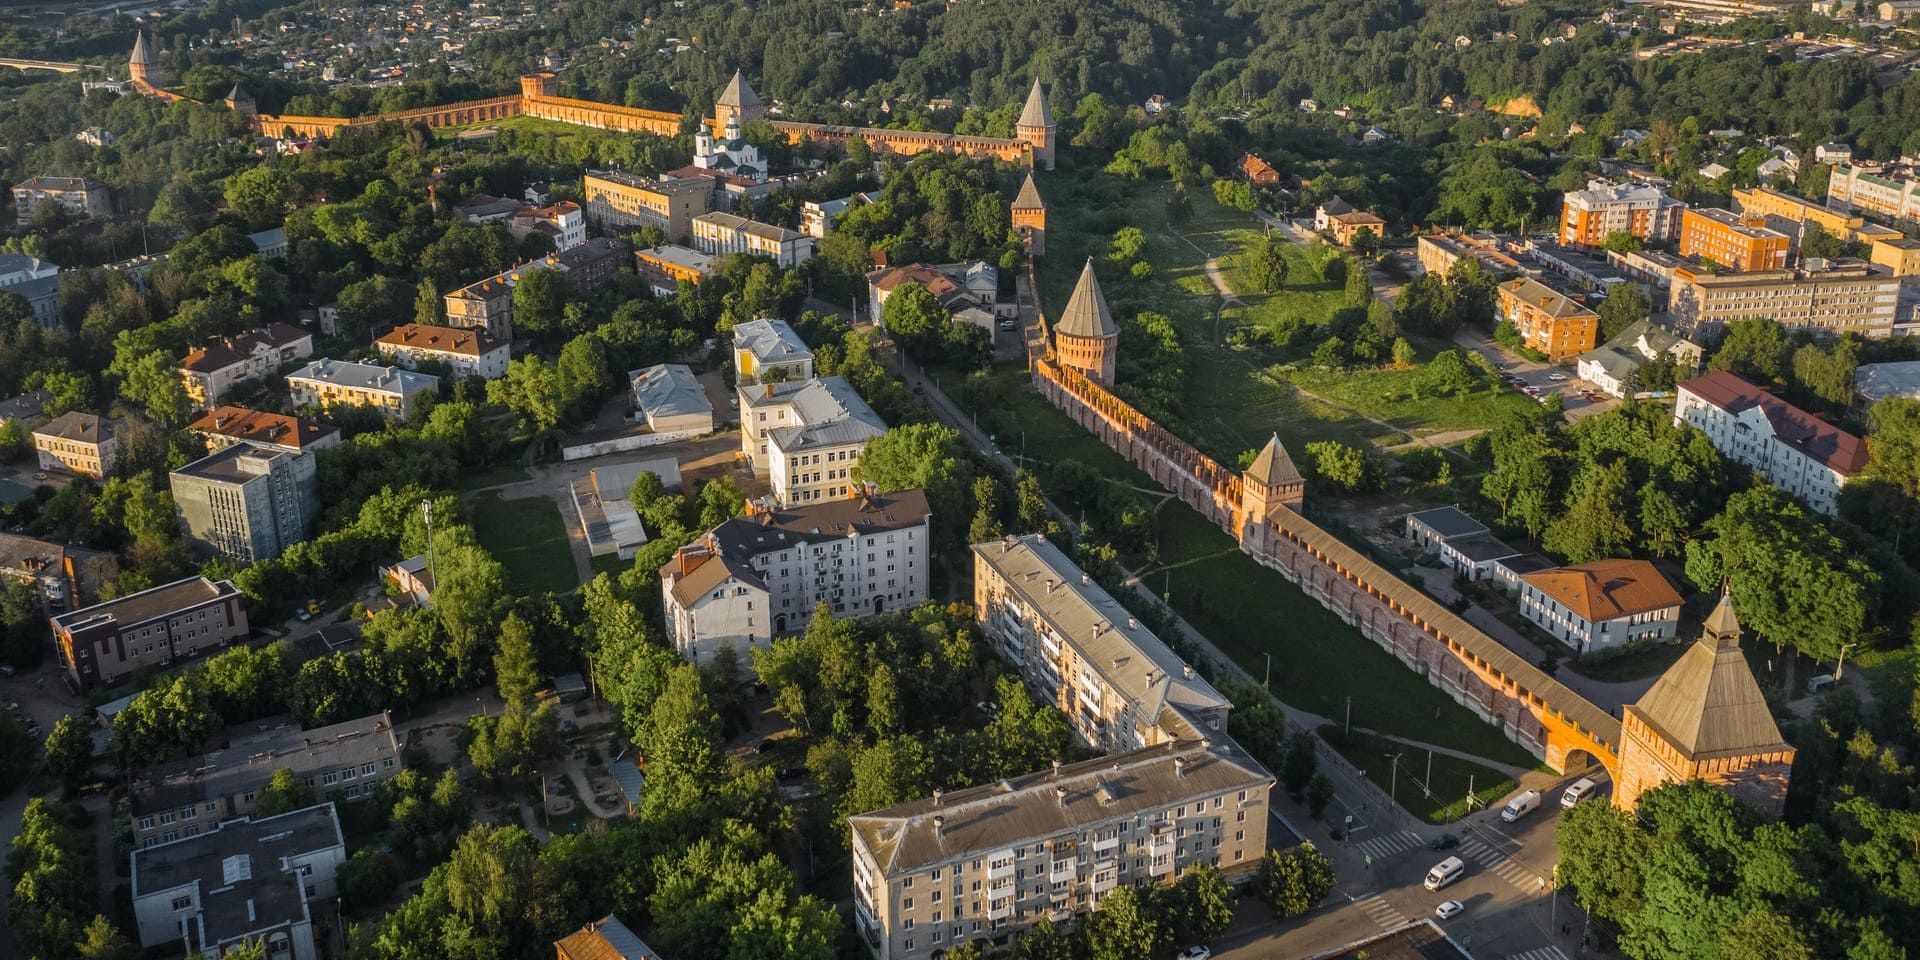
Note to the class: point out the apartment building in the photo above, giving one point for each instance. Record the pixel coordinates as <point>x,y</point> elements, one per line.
<point>215,367</point>
<point>666,265</point>
<point>1899,256</point>
<point>1797,452</point>
<point>1601,607</point>
<point>83,196</point>
<point>99,645</point>
<point>1438,254</point>
<point>239,883</point>
<point>1731,240</point>
<point>341,762</point>
<point>247,503</point>
<point>1883,190</point>
<point>603,939</point>
<point>1768,202</point>
<point>467,353</point>
<point>487,304</point>
<point>721,234</point>
<point>618,202</point>
<point>225,426</point>
<point>817,216</point>
<point>761,576</point>
<point>1548,320</point>
<point>64,575</point>
<point>987,863</point>
<point>771,344</point>
<point>1588,216</point>
<point>806,436</point>
<point>37,282</point>
<point>970,292</point>
<point>344,383</point>
<point>1824,297</point>
<point>1119,686</point>
<point>564,223</point>
<point>76,442</point>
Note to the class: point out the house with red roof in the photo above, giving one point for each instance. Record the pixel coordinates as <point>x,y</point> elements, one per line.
<point>1796,451</point>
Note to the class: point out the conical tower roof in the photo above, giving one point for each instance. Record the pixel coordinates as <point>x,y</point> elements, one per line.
<point>1037,113</point>
<point>1707,705</point>
<point>1273,466</point>
<point>1029,198</point>
<point>1086,314</point>
<point>238,94</point>
<point>738,93</point>
<point>142,54</point>
<point>1723,622</point>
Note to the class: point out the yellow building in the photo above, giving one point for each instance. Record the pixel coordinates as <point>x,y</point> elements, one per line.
<point>1735,242</point>
<point>76,442</point>
<point>1768,202</point>
<point>1548,321</point>
<point>621,201</point>
<point>1825,297</point>
<point>1901,256</point>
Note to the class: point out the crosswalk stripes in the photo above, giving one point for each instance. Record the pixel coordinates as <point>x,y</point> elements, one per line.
<point>1383,913</point>
<point>1390,844</point>
<point>1496,862</point>
<point>1541,953</point>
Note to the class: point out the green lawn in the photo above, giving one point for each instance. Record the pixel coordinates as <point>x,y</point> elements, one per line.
<point>529,538</point>
<point>1443,799</point>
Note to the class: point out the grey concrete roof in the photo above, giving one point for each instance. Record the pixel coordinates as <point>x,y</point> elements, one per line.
<point>1028,809</point>
<point>830,412</point>
<point>1482,547</point>
<point>669,389</point>
<point>777,528</point>
<point>238,868</point>
<point>1877,381</point>
<point>233,464</point>
<point>732,221</point>
<point>770,340</point>
<point>77,426</point>
<point>366,376</point>
<point>253,751</point>
<point>151,603</point>
<point>1127,655</point>
<point>1448,522</point>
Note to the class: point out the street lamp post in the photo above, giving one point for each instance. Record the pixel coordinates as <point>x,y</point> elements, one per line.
<point>1349,716</point>
<point>1267,681</point>
<point>1393,779</point>
<point>1842,664</point>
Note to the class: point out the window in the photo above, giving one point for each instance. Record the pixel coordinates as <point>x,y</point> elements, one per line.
<point>182,903</point>
<point>146,823</point>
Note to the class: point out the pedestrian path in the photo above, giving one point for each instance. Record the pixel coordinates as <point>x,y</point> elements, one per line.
<point>1383,913</point>
<point>1387,845</point>
<point>1496,862</point>
<point>1540,953</point>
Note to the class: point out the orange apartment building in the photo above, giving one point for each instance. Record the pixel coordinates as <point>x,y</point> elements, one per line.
<point>1548,321</point>
<point>1735,241</point>
<point>1588,216</point>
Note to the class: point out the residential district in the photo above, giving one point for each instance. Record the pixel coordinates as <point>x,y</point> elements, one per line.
<point>489,481</point>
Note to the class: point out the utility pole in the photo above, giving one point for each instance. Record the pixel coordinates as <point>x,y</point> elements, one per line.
<point>1393,780</point>
<point>1349,716</point>
<point>1427,787</point>
<point>426,513</point>
<point>1267,681</point>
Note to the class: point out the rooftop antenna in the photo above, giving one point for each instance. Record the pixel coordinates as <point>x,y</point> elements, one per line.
<point>426,513</point>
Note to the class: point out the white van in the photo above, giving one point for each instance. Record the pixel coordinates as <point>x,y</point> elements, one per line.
<point>1580,790</point>
<point>1520,806</point>
<point>1446,872</point>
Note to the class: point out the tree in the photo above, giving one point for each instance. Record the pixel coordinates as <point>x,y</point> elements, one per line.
<point>1267,263</point>
<point>1127,245</point>
<point>1319,794</point>
<point>69,750</point>
<point>284,793</point>
<point>531,388</point>
<point>540,301</point>
<point>1792,579</point>
<point>103,941</point>
<point>153,381</point>
<point>368,878</point>
<point>1293,882</point>
<point>489,878</point>
<point>1620,241</point>
<point>1601,851</point>
<point>1818,242</point>
<point>1199,906</point>
<point>515,670</point>
<point>1346,468</point>
<point>930,456</point>
<point>1124,928</point>
<point>1300,769</point>
<point>1044,941</point>
<point>1358,282</point>
<point>1032,508</point>
<point>1755,348</point>
<point>1625,306</point>
<point>916,319</point>
<point>1403,353</point>
<point>511,746</point>
<point>986,516</point>
<point>1365,242</point>
<point>1594,524</point>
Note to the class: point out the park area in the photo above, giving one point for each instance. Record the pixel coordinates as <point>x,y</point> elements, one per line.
<point>529,539</point>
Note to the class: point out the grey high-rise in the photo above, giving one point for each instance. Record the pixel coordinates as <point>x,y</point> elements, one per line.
<point>245,502</point>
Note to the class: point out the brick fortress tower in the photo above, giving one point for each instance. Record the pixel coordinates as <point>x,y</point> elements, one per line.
<point>1030,218</point>
<point>1705,719</point>
<point>1036,126</point>
<point>1086,338</point>
<point>738,104</point>
<point>143,67</point>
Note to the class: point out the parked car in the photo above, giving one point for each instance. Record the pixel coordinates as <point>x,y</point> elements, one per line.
<point>1445,841</point>
<point>1449,909</point>
<point>1557,377</point>
<point>1196,953</point>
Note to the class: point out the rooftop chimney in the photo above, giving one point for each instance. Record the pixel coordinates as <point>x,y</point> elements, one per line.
<point>1056,766</point>
<point>936,796</point>
<point>1186,670</point>
<point>1180,766</point>
<point>939,824</point>
<point>1060,795</point>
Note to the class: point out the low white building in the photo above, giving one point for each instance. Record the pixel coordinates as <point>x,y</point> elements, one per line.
<point>1797,452</point>
<point>721,234</point>
<point>343,383</point>
<point>1603,606</point>
<point>817,216</point>
<point>1613,364</point>
<point>241,881</point>
<point>1462,543</point>
<point>807,436</point>
<point>757,577</point>
<point>563,223</point>
<point>669,399</point>
<point>468,353</point>
<point>763,345</point>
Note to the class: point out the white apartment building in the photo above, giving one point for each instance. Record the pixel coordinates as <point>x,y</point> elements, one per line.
<point>770,344</point>
<point>1796,451</point>
<point>564,223</point>
<point>469,353</point>
<point>1892,190</point>
<point>761,576</point>
<point>720,234</point>
<point>241,882</point>
<point>1081,651</point>
<point>1603,606</point>
<point>817,216</point>
<point>807,436</point>
<point>987,863</point>
<point>330,383</point>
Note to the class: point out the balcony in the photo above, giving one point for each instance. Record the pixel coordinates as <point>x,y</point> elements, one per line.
<point>1104,881</point>
<point>1050,645</point>
<point>1103,847</point>
<point>1000,869</point>
<point>1063,870</point>
<point>1000,909</point>
<point>1160,866</point>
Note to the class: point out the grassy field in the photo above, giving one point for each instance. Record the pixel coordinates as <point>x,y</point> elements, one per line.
<point>1443,799</point>
<point>529,538</point>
